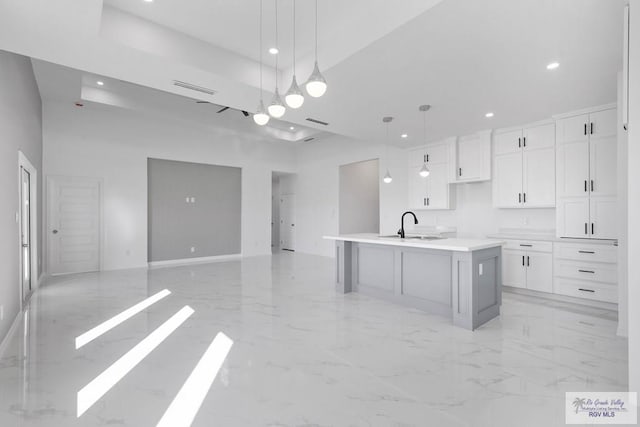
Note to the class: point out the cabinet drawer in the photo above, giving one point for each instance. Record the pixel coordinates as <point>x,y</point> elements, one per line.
<point>586,252</point>
<point>528,245</point>
<point>580,289</point>
<point>586,271</point>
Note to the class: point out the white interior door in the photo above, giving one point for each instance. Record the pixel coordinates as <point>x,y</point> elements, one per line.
<point>287,222</point>
<point>73,234</point>
<point>25,232</point>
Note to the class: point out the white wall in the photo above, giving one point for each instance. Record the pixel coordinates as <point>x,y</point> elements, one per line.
<point>317,188</point>
<point>634,197</point>
<point>20,130</point>
<point>359,197</point>
<point>623,220</point>
<point>114,144</point>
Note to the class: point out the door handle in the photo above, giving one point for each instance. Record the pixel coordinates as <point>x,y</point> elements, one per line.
<point>587,271</point>
<point>460,171</point>
<point>592,185</point>
<point>524,141</point>
<point>585,186</point>
<point>524,197</point>
<point>528,261</point>
<point>586,252</point>
<point>25,245</point>
<point>586,290</point>
<point>519,197</point>
<point>586,229</point>
<point>591,128</point>
<point>427,201</point>
<point>585,128</point>
<point>592,230</point>
<point>523,260</point>
<point>519,142</point>
<point>55,231</point>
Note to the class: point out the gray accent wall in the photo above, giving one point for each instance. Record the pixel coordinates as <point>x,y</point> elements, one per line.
<point>20,130</point>
<point>193,205</point>
<point>359,199</point>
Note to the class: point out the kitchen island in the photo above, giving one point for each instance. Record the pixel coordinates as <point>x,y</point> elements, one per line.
<point>458,278</point>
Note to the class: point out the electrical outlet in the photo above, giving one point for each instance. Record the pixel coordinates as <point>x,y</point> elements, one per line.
<point>193,249</point>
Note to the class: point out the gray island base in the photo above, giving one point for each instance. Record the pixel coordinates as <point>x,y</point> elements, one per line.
<point>457,278</point>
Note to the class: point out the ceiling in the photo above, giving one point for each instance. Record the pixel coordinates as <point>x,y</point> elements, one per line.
<point>61,84</point>
<point>464,57</point>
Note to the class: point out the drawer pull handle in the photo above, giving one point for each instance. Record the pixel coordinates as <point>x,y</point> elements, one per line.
<point>586,290</point>
<point>587,271</point>
<point>586,252</point>
<point>528,246</point>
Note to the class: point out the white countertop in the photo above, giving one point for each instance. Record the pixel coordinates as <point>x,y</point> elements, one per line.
<point>548,238</point>
<point>447,244</point>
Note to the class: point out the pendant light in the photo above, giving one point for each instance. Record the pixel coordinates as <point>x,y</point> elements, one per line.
<point>294,97</point>
<point>424,170</point>
<point>276,108</point>
<point>387,177</point>
<point>261,117</point>
<point>316,85</point>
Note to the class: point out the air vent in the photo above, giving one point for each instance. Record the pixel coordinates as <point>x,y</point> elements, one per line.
<point>309,119</point>
<point>194,87</point>
<point>309,139</point>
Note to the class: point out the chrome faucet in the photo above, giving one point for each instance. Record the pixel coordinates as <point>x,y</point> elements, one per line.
<point>415,221</point>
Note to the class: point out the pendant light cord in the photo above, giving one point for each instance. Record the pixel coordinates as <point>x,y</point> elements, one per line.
<point>261,91</point>
<point>316,30</point>
<point>294,38</point>
<point>424,130</point>
<point>277,47</point>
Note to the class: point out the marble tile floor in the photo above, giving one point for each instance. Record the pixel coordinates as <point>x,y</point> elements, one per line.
<point>302,354</point>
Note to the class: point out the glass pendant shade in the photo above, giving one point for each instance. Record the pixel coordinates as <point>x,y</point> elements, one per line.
<point>276,108</point>
<point>387,177</point>
<point>424,171</point>
<point>294,97</point>
<point>261,117</point>
<point>316,85</point>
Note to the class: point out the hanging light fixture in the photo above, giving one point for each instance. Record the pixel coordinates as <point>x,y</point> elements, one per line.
<point>276,108</point>
<point>387,177</point>
<point>294,97</point>
<point>316,85</point>
<point>424,170</point>
<point>261,117</point>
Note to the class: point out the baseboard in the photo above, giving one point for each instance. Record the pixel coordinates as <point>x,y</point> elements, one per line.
<point>562,298</point>
<point>189,261</point>
<point>12,330</point>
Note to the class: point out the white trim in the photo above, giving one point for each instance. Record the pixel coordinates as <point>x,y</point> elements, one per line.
<point>548,121</point>
<point>24,163</point>
<point>198,260</point>
<point>10,333</point>
<point>585,111</point>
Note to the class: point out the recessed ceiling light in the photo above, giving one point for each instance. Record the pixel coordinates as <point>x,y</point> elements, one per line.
<point>273,50</point>
<point>148,1</point>
<point>553,66</point>
<point>404,135</point>
<point>489,115</point>
<point>291,128</point>
<point>100,83</point>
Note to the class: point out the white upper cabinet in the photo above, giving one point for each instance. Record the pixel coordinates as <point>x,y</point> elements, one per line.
<point>433,191</point>
<point>473,158</point>
<point>586,175</point>
<point>525,167</point>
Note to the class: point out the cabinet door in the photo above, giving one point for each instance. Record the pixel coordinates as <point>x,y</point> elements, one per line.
<point>572,217</point>
<point>539,178</point>
<point>436,153</point>
<point>572,169</point>
<point>572,129</point>
<point>507,142</point>
<point>470,157</point>
<point>437,187</point>
<point>603,154</point>
<point>417,189</point>
<point>513,269</point>
<point>604,218</point>
<point>536,137</point>
<point>508,181</point>
<point>539,272</point>
<point>415,157</point>
<point>603,124</point>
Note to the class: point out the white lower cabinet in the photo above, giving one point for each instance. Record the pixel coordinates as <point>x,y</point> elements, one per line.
<point>586,270</point>
<point>528,265</point>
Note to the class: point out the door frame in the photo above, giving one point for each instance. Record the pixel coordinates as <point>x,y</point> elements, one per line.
<point>24,163</point>
<point>48,227</point>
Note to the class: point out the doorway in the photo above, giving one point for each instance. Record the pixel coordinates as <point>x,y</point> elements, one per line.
<point>73,224</point>
<point>283,211</point>
<point>27,224</point>
<point>359,198</point>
